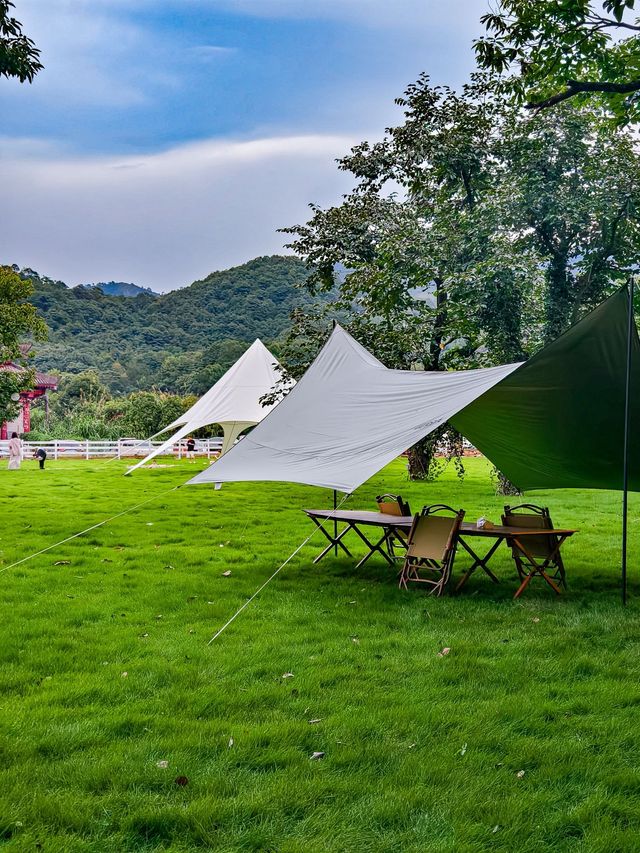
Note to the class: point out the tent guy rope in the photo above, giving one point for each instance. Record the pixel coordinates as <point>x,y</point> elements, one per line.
<point>87,530</point>
<point>279,569</point>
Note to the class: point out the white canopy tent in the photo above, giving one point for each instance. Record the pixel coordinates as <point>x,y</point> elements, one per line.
<point>347,418</point>
<point>233,402</point>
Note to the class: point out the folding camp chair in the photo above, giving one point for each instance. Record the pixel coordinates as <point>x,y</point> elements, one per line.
<point>431,547</point>
<point>394,505</point>
<point>535,555</point>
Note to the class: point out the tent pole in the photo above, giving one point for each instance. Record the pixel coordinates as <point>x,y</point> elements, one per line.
<point>625,462</point>
<point>335,494</point>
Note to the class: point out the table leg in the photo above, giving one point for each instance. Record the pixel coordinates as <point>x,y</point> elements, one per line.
<point>478,561</point>
<point>373,547</point>
<point>334,541</point>
<point>525,583</point>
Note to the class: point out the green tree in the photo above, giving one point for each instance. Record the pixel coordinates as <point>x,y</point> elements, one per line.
<point>471,236</point>
<point>503,233</point>
<point>89,414</point>
<point>19,57</point>
<point>558,203</point>
<point>18,319</point>
<point>564,49</point>
<point>77,389</point>
<point>147,412</point>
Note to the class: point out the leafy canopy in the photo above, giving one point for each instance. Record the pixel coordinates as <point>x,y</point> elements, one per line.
<point>19,57</point>
<point>18,319</point>
<point>564,49</point>
<point>471,235</point>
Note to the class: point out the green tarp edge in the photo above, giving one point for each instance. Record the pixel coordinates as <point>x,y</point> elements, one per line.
<point>558,420</point>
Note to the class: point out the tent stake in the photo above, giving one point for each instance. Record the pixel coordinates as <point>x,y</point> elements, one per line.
<point>625,462</point>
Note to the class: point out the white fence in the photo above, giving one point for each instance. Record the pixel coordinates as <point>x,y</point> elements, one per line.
<point>123,448</point>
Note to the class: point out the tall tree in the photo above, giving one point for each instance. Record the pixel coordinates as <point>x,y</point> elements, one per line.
<point>472,236</point>
<point>18,319</point>
<point>19,57</point>
<point>563,49</point>
<point>405,233</point>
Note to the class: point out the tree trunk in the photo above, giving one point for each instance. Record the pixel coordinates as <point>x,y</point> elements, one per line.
<point>423,462</point>
<point>504,486</point>
<point>422,455</point>
<point>439,325</point>
<point>558,307</point>
<point>420,459</point>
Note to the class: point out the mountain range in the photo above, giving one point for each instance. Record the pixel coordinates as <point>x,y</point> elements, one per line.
<point>180,341</point>
<point>120,288</point>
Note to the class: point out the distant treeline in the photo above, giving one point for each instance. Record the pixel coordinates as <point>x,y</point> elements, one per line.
<point>85,409</point>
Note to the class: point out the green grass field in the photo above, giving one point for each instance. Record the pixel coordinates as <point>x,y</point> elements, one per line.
<point>523,738</point>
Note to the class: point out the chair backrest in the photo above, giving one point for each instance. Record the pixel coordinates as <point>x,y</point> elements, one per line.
<point>534,517</point>
<point>433,535</point>
<point>393,505</point>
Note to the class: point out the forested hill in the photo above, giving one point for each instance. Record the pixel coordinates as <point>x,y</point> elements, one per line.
<point>180,341</point>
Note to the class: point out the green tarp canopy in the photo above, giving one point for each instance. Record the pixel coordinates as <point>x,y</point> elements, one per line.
<point>558,420</point>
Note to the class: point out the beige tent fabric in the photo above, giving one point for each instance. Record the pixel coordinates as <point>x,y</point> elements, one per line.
<point>233,402</point>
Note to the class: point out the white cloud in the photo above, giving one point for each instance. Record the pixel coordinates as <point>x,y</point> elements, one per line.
<point>91,55</point>
<point>211,51</point>
<point>165,219</point>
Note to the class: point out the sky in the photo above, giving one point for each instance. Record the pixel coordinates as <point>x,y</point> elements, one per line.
<point>165,139</point>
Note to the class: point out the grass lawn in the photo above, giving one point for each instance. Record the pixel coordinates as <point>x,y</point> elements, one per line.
<point>523,738</point>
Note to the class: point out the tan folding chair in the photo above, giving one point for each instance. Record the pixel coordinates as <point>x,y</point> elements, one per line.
<point>535,555</point>
<point>431,548</point>
<point>394,505</point>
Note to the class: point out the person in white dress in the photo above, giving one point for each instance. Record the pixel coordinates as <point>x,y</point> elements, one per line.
<point>15,452</point>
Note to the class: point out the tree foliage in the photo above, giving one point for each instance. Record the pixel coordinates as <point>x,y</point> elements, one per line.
<point>18,319</point>
<point>180,342</point>
<point>19,57</point>
<point>84,409</point>
<point>565,49</point>
<point>472,236</point>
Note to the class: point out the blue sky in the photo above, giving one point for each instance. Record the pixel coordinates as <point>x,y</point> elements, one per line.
<point>168,138</point>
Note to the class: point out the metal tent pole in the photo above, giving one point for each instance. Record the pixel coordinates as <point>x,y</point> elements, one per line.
<point>335,494</point>
<point>625,457</point>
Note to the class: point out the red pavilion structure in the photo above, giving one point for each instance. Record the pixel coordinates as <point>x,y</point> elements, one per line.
<point>44,382</point>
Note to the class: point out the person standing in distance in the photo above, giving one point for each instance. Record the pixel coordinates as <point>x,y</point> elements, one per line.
<point>15,452</point>
<point>191,448</point>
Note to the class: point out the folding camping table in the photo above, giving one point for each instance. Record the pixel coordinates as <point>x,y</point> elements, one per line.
<point>355,520</point>
<point>390,525</point>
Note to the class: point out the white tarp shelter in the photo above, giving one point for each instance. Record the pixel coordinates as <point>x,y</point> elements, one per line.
<point>347,418</point>
<point>562,419</point>
<point>233,402</point>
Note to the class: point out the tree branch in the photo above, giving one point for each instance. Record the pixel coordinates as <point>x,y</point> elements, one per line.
<point>576,87</point>
<point>609,22</point>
